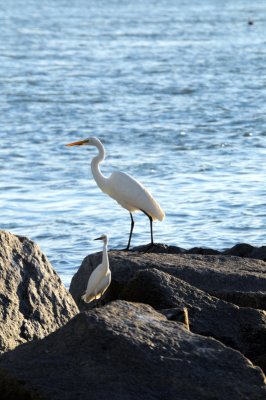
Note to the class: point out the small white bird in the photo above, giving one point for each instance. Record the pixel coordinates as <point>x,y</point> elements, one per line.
<point>100,277</point>
<point>127,191</point>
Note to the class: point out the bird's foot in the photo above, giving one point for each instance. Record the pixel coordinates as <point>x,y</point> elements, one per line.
<point>150,248</point>
<point>126,249</point>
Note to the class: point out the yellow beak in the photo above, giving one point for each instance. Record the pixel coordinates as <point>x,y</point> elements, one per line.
<point>79,143</point>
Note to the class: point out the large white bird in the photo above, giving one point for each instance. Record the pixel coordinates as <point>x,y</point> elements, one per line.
<point>127,191</point>
<point>100,277</point>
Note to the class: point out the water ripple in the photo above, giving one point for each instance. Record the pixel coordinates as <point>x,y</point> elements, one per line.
<point>175,90</point>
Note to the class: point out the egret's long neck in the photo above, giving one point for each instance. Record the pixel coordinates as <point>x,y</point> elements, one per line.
<point>96,172</point>
<point>105,260</point>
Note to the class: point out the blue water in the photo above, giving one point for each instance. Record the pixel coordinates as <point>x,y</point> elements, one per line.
<point>176,91</point>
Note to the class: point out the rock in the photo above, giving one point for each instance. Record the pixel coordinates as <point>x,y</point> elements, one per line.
<point>158,248</point>
<point>243,329</point>
<point>241,281</point>
<point>128,351</point>
<point>239,250</point>
<point>260,360</point>
<point>164,248</point>
<point>211,286</point>
<point>203,251</point>
<point>247,251</point>
<point>33,301</point>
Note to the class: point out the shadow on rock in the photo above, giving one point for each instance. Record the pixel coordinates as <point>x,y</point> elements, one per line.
<point>129,351</point>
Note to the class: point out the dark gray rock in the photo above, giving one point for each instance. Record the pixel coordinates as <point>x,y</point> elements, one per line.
<point>247,251</point>
<point>241,281</point>
<point>240,250</point>
<point>33,300</point>
<point>199,282</point>
<point>164,248</point>
<point>243,329</point>
<point>128,351</point>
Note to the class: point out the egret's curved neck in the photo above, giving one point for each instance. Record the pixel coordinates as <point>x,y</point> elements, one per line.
<point>96,172</point>
<point>105,260</point>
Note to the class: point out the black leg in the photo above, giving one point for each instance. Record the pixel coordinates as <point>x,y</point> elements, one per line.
<point>131,230</point>
<point>150,218</point>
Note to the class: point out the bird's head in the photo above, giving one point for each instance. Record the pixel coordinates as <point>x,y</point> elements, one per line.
<point>91,141</point>
<point>104,238</point>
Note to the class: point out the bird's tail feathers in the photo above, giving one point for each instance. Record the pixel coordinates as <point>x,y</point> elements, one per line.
<point>161,214</point>
<point>157,212</point>
<point>154,209</point>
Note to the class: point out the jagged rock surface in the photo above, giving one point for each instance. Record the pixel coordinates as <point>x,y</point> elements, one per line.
<point>128,351</point>
<point>243,250</point>
<point>241,281</point>
<point>33,300</point>
<point>200,282</point>
<point>241,328</point>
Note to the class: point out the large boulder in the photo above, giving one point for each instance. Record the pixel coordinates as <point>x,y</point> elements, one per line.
<point>212,287</point>
<point>127,351</point>
<point>242,328</point>
<point>33,300</point>
<point>241,281</point>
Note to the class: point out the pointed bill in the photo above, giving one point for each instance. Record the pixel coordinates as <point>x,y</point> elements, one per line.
<point>79,143</point>
<point>99,238</point>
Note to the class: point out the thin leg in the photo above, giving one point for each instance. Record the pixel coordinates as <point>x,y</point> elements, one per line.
<point>150,218</point>
<point>131,230</point>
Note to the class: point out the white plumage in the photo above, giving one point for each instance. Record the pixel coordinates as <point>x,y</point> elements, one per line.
<point>100,277</point>
<point>127,191</point>
<point>135,199</point>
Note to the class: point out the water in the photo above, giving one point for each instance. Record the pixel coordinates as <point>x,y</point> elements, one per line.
<point>175,90</point>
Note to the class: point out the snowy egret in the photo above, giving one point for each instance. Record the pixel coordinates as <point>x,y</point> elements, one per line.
<point>100,277</point>
<point>127,191</point>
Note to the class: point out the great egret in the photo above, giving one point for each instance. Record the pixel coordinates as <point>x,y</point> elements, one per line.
<point>100,277</point>
<point>127,191</point>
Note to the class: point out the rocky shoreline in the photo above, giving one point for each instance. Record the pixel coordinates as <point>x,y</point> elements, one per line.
<point>133,346</point>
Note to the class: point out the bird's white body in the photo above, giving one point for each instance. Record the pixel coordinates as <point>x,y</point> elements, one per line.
<point>100,277</point>
<point>127,191</point>
<point>132,195</point>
